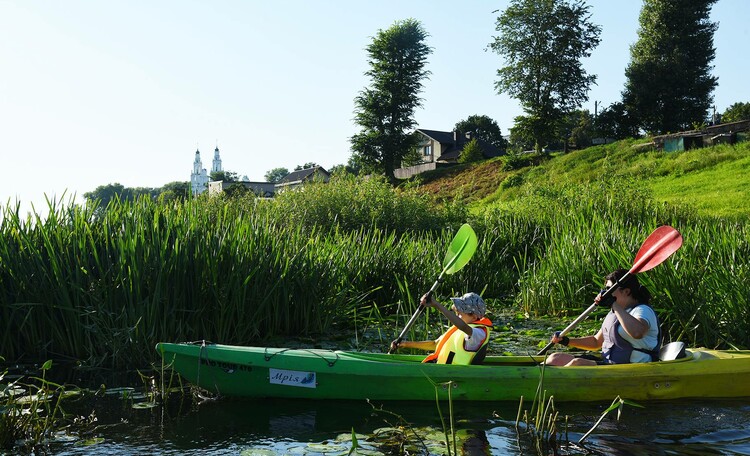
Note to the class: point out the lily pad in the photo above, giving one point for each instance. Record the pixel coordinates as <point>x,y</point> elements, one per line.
<point>89,442</point>
<point>326,448</point>
<point>437,450</point>
<point>258,452</point>
<point>71,393</point>
<point>144,405</point>
<point>347,437</point>
<point>386,431</point>
<point>367,452</point>
<point>122,392</point>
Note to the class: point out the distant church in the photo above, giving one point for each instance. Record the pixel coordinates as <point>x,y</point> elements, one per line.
<point>199,177</point>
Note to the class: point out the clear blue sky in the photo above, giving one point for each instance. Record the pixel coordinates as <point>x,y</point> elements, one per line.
<point>96,92</point>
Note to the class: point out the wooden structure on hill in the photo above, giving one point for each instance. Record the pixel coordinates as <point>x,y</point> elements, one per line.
<point>709,136</point>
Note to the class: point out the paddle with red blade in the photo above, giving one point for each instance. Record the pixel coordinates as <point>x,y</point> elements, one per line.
<point>459,253</point>
<point>662,243</point>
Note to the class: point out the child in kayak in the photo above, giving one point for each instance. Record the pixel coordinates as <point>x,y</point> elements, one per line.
<point>466,341</point>
<point>629,333</point>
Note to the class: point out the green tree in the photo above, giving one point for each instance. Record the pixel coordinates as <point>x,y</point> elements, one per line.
<point>577,129</point>
<point>616,122</point>
<point>225,176</point>
<point>484,128</point>
<point>275,175</point>
<point>385,110</point>
<point>412,157</point>
<point>669,84</point>
<point>307,165</point>
<point>236,190</point>
<point>542,43</point>
<point>174,191</point>
<point>736,112</point>
<point>471,152</point>
<point>522,134</point>
<point>105,193</point>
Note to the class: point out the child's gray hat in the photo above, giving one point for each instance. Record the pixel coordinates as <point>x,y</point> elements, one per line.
<point>470,303</point>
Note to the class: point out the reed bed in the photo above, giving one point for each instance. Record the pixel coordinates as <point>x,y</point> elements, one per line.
<point>104,285</point>
<point>587,231</point>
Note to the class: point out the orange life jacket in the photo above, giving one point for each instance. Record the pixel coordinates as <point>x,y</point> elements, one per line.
<point>451,348</point>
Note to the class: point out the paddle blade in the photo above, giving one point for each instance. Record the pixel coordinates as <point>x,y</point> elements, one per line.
<point>461,249</point>
<point>662,243</point>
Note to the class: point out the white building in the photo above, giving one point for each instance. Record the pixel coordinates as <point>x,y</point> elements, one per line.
<point>199,177</point>
<point>216,166</point>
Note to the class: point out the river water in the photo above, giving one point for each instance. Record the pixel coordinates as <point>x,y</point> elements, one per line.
<point>187,426</point>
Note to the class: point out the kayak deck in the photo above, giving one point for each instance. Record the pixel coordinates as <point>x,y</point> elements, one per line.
<point>327,374</point>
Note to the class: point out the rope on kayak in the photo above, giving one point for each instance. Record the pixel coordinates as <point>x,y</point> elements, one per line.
<point>203,344</point>
<point>200,354</point>
<point>312,352</point>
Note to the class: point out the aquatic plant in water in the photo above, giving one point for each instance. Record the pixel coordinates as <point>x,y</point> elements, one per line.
<point>31,413</point>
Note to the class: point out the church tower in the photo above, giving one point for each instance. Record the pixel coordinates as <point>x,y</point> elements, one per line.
<point>217,162</point>
<point>199,176</point>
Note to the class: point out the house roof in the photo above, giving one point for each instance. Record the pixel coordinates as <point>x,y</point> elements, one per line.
<point>301,175</point>
<point>454,143</point>
<point>439,136</point>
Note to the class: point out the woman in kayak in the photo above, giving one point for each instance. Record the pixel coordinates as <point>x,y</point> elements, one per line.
<point>466,341</point>
<point>629,333</point>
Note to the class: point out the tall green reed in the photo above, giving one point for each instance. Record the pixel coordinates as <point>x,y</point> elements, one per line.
<point>586,231</point>
<point>105,284</point>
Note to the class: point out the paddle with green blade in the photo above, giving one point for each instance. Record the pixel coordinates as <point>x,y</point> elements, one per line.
<point>659,246</point>
<point>459,253</point>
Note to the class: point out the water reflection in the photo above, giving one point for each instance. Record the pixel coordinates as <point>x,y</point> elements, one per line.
<point>230,426</point>
<point>687,427</point>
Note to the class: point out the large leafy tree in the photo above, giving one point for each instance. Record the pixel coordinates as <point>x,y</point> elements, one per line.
<point>669,84</point>
<point>106,193</point>
<point>276,174</point>
<point>521,134</point>
<point>616,122</point>
<point>542,43</point>
<point>177,190</point>
<point>385,110</point>
<point>226,176</point>
<point>576,130</point>
<point>736,112</point>
<point>484,128</point>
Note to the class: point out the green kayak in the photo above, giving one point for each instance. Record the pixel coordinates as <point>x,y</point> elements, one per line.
<point>324,374</point>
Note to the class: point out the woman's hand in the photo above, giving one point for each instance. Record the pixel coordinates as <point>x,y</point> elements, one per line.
<point>608,301</point>
<point>558,338</point>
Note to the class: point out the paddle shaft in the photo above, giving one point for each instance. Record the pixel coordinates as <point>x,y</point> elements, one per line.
<point>417,313</point>
<point>463,253</point>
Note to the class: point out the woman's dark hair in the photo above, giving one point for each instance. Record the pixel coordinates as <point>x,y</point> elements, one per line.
<point>639,292</point>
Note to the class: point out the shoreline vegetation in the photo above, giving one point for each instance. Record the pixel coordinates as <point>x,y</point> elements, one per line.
<point>103,285</point>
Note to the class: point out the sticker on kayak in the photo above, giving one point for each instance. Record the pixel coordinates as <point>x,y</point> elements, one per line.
<point>292,378</point>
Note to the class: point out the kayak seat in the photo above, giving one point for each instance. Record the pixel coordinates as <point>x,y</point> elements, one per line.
<point>671,351</point>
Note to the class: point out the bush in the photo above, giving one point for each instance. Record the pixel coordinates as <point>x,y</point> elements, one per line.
<point>351,203</point>
<point>472,152</point>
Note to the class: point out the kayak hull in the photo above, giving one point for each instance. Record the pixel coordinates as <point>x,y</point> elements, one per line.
<point>260,372</point>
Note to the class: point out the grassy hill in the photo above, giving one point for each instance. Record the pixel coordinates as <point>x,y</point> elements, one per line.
<point>714,181</point>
